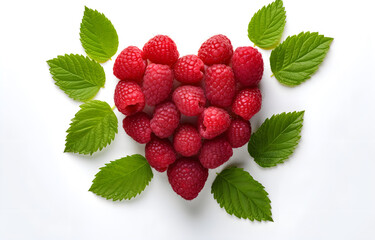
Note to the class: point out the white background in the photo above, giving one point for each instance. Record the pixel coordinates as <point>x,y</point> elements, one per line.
<point>324,191</point>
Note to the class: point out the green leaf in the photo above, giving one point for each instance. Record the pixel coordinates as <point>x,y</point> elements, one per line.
<point>98,36</point>
<point>239,194</point>
<point>93,128</point>
<point>123,178</point>
<point>298,57</point>
<point>276,138</point>
<point>267,25</point>
<point>78,76</point>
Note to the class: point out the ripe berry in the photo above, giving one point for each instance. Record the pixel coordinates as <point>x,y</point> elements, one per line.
<point>159,153</point>
<point>216,50</point>
<point>247,103</point>
<point>129,98</point>
<point>247,64</point>
<point>186,140</point>
<point>187,177</point>
<point>157,83</point>
<point>137,127</point>
<point>212,122</point>
<point>189,69</point>
<point>130,65</point>
<point>215,152</point>
<point>220,85</point>
<point>165,119</point>
<point>190,100</point>
<point>161,49</point>
<point>239,132</point>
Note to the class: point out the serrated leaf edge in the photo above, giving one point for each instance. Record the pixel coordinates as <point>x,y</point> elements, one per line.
<point>56,80</point>
<point>283,25</point>
<point>98,58</point>
<point>302,113</point>
<point>136,194</point>
<point>69,130</point>
<point>330,39</point>
<point>261,187</point>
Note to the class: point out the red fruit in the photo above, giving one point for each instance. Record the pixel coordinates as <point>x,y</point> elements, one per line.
<point>187,141</point>
<point>239,132</point>
<point>212,122</point>
<point>137,127</point>
<point>187,177</point>
<point>247,64</point>
<point>220,85</point>
<point>157,83</point>
<point>130,65</point>
<point>129,98</point>
<point>165,120</point>
<point>161,49</point>
<point>189,69</point>
<point>215,152</point>
<point>159,153</point>
<point>216,50</point>
<point>190,100</point>
<point>247,103</point>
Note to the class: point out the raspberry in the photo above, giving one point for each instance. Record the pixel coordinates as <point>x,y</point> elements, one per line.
<point>161,49</point>
<point>217,49</point>
<point>247,103</point>
<point>165,120</point>
<point>190,100</point>
<point>215,152</point>
<point>187,177</point>
<point>189,69</point>
<point>212,122</point>
<point>186,140</point>
<point>159,153</point>
<point>247,64</point>
<point>157,83</point>
<point>239,132</point>
<point>129,98</point>
<point>130,65</point>
<point>137,126</point>
<point>220,85</point>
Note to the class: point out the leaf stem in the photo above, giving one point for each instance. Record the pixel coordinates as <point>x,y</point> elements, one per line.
<point>113,108</point>
<point>272,75</point>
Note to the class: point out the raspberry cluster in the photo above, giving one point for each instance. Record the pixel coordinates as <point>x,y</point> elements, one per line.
<point>216,91</point>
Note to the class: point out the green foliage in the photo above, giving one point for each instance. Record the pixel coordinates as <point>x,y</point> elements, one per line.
<point>78,76</point>
<point>276,138</point>
<point>93,128</point>
<point>298,57</point>
<point>122,179</point>
<point>267,25</point>
<point>98,35</point>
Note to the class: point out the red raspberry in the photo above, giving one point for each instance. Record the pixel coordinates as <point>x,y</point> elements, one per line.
<point>215,152</point>
<point>161,49</point>
<point>187,177</point>
<point>239,132</point>
<point>212,122</point>
<point>159,153</point>
<point>137,126</point>
<point>187,140</point>
<point>247,103</point>
<point>247,64</point>
<point>220,85</point>
<point>165,120</point>
<point>130,65</point>
<point>217,49</point>
<point>190,100</point>
<point>129,98</point>
<point>157,83</point>
<point>189,69</point>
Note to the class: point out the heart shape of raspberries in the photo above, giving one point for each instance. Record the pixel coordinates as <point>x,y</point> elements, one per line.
<point>217,90</point>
